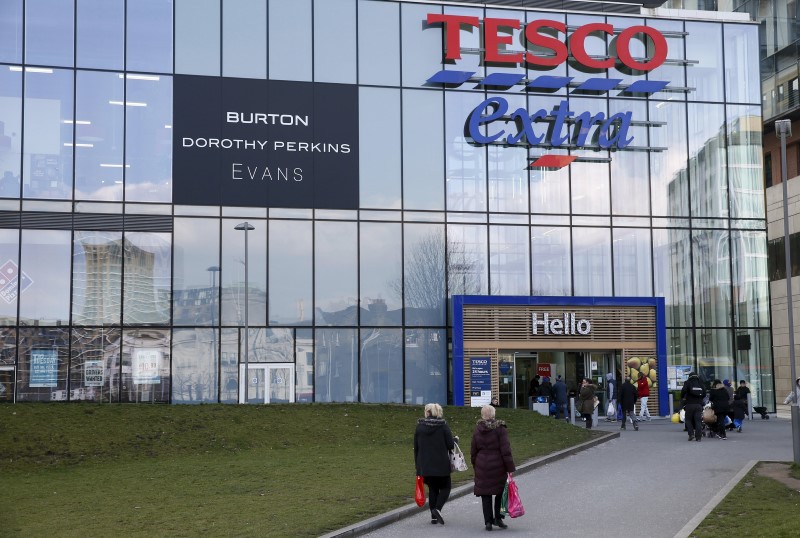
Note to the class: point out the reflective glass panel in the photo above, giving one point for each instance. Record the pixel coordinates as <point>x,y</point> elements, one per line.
<point>149,36</point>
<point>671,71</point>
<point>145,366</point>
<point>97,278</point>
<point>423,149</point>
<point>94,366</point>
<point>467,262</point>
<point>336,274</point>
<point>244,46</point>
<point>466,164</point>
<point>704,45</point>
<point>630,185</point>
<point>508,171</point>
<point>509,260</point>
<point>551,260</point>
<point>45,261</point>
<point>290,40</point>
<point>750,279</point>
<point>633,269</point>
<point>379,148</point>
<point>422,45</point>
<point>745,162</point>
<point>147,277</point>
<point>381,274</point>
<point>680,348</point>
<point>229,365</point>
<point>148,156</point>
<point>707,160</point>
<point>232,275</point>
<point>197,37</point>
<point>290,266</point>
<point>304,365</point>
<point>755,367</point>
<point>335,41</point>
<point>11,31</point>
<point>712,277</point>
<point>423,273</point>
<point>194,366</point>
<point>43,356</point>
<point>10,276</point>
<point>196,247</point>
<point>381,365</point>
<point>742,83</point>
<point>378,43</point>
<point>48,144</point>
<point>101,34</point>
<point>271,345</point>
<point>714,354</point>
<point>591,253</point>
<point>672,271</point>
<point>669,177</point>
<point>336,369</point>
<point>49,32</point>
<point>99,128</point>
<point>426,366</point>
<point>10,131</point>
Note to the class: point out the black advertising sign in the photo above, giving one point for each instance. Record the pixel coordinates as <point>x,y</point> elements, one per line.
<point>260,143</point>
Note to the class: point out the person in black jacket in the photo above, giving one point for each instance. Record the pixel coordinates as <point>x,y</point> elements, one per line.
<point>718,396</point>
<point>432,442</point>
<point>628,394</point>
<point>692,395</point>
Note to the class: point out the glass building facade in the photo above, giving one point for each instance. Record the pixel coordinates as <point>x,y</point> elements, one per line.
<point>113,289</point>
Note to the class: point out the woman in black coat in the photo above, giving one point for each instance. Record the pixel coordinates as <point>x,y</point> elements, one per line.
<point>432,442</point>
<point>718,397</point>
<point>492,461</point>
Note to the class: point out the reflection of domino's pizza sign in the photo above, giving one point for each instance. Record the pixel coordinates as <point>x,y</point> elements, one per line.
<point>566,325</point>
<point>9,280</point>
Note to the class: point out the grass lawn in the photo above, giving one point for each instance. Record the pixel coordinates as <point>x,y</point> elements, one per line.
<point>300,470</point>
<point>757,506</point>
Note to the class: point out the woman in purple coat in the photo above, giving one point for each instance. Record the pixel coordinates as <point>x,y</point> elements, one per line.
<point>492,461</point>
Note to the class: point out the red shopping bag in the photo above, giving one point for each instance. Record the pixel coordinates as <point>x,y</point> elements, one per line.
<point>419,494</point>
<point>515,508</point>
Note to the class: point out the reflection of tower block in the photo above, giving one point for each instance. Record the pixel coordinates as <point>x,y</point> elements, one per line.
<point>141,299</point>
<point>45,173</point>
<point>103,286</point>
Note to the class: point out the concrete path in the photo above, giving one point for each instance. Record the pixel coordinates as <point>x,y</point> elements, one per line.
<point>650,483</point>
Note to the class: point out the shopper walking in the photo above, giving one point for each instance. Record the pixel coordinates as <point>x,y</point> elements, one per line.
<point>432,441</point>
<point>492,461</point>
<point>560,398</point>
<point>643,391</point>
<point>611,393</point>
<point>718,397</point>
<point>586,399</point>
<point>692,395</point>
<point>627,399</point>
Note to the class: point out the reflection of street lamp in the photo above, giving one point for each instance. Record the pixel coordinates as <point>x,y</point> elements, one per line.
<point>214,269</point>
<point>246,226</point>
<point>783,128</point>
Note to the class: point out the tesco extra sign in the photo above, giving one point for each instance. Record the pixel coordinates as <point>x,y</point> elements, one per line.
<point>574,42</point>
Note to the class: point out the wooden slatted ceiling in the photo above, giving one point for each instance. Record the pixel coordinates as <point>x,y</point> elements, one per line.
<point>514,323</point>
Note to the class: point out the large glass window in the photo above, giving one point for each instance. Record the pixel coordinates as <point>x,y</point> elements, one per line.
<point>148,157</point>
<point>509,260</point>
<point>551,260</point>
<point>197,37</point>
<point>147,265</point>
<point>49,32</point>
<point>194,366</point>
<point>423,149</point>
<point>426,366</point>
<point>712,277</point>
<point>229,365</point>
<point>271,345</point>
<point>336,273</point>
<point>755,365</point>
<point>508,172</point>
<point>381,365</point>
<point>290,40</point>
<point>590,180</point>
<point>423,273</point>
<point>630,187</point>
<point>97,278</point>
<point>467,262</point>
<point>707,160</point>
<point>99,129</point>
<point>232,275</point>
<point>101,34</point>
<point>11,31</point>
<point>94,366</point>
<point>466,163</point>
<point>422,51</point>
<point>672,272</point>
<point>145,366</point>
<point>48,144</point>
<point>45,268</point>
<point>704,46</point>
<point>379,148</point>
<point>381,272</point>
<point>11,279</point>
<point>633,270</point>
<point>744,162</point>
<point>378,43</point>
<point>10,130</point>
<point>669,178</point>
<point>244,45</point>
<point>751,284</point>
<point>335,41</point>
<point>336,368</point>
<point>715,354</point>
<point>196,246</point>
<point>672,71</point>
<point>149,36</point>
<point>290,279</point>
<point>304,366</point>
<point>591,253</point>
<point>742,83</point>
<point>43,356</point>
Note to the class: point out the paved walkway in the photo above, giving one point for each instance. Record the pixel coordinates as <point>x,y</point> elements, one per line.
<point>647,483</point>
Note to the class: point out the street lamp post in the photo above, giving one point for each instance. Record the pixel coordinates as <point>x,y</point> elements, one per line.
<point>783,128</point>
<point>246,226</point>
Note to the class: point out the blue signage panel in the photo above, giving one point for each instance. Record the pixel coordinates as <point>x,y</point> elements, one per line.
<point>480,381</point>
<point>44,368</point>
<point>264,143</point>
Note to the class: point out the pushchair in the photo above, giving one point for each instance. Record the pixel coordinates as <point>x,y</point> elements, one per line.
<point>761,411</point>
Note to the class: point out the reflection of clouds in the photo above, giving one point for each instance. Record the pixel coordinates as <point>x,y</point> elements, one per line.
<point>107,192</point>
<point>148,191</point>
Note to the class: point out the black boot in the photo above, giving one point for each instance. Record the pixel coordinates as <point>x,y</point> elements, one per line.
<point>489,526</point>
<point>499,523</point>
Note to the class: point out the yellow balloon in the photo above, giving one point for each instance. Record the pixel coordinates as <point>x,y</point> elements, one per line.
<point>676,418</point>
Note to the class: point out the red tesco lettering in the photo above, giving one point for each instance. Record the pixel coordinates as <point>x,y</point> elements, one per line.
<point>495,34</point>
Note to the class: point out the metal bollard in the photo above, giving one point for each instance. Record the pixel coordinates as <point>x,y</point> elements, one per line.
<point>572,411</point>
<point>749,406</point>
